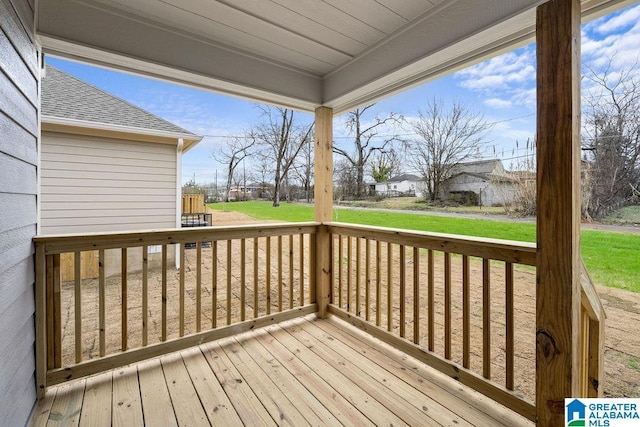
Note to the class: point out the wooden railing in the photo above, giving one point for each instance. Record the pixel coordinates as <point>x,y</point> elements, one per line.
<point>162,291</point>
<point>447,300</point>
<point>591,338</point>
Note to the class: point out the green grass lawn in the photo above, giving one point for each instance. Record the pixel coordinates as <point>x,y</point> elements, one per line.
<point>613,259</point>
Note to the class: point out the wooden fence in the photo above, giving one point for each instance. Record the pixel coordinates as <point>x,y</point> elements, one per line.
<point>193,203</point>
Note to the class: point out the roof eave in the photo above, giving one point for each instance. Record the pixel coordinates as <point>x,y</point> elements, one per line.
<point>189,139</point>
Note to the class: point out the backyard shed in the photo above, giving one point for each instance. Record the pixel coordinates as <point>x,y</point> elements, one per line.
<point>107,165</point>
<point>487,179</point>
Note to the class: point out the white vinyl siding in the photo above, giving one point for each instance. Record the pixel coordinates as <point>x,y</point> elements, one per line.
<point>19,105</point>
<point>92,184</point>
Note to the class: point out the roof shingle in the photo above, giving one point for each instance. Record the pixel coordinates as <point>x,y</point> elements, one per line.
<point>67,97</point>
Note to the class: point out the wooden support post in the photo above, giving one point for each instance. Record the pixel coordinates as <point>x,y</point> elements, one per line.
<point>558,201</point>
<point>323,205</point>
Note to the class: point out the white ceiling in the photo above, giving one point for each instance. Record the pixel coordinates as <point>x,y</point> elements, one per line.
<point>298,53</point>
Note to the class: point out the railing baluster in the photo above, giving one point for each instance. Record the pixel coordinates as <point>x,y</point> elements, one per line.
<point>145,292</point>
<point>486,318</point>
<point>358,274</point>
<point>229,247</point>
<point>340,256</point>
<point>164,293</point>
<point>416,296</point>
<point>313,297</point>
<point>279,273</point>
<point>466,307</point>
<point>447,305</point>
<point>367,278</point>
<point>291,271</point>
<point>349,255</point>
<point>214,284</point>
<point>430,299</point>
<point>243,260</point>
<point>125,303</point>
<point>54,317</point>
<point>198,286</point>
<point>509,325</point>
<point>255,277</point>
<point>301,264</point>
<point>378,277</point>
<point>182,249</point>
<point>101,304</point>
<point>389,287</point>
<point>268,273</point>
<point>403,283</point>
<point>78,305</point>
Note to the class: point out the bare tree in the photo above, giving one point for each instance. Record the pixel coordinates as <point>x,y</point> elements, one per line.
<point>303,168</point>
<point>281,139</point>
<point>611,110</point>
<point>367,141</point>
<point>447,136</point>
<point>232,155</point>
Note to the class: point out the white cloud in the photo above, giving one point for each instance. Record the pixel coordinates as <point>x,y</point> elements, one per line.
<point>504,81</point>
<point>497,103</point>
<point>619,22</point>
<point>499,72</point>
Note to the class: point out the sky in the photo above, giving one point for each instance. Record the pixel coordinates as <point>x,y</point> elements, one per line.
<point>501,89</point>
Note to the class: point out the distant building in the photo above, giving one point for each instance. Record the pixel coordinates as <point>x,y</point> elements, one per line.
<point>402,185</point>
<point>487,179</point>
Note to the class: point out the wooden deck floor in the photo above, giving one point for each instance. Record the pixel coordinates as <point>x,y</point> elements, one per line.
<point>301,372</point>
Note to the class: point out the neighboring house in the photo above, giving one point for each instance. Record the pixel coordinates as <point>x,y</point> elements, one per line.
<point>405,184</point>
<point>107,165</point>
<point>487,179</point>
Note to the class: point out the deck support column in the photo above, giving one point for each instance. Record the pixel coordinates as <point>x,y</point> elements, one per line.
<point>558,206</point>
<point>323,204</point>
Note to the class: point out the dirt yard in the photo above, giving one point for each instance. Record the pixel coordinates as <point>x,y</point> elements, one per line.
<point>622,356</point>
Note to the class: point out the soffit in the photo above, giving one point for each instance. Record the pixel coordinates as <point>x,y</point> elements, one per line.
<point>298,53</point>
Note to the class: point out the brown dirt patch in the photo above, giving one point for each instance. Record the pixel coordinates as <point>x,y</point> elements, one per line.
<point>622,354</point>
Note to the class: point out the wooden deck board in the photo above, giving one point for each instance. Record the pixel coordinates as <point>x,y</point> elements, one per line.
<point>304,371</point>
<point>186,403</point>
<point>312,408</point>
<point>351,391</point>
<point>97,394</point>
<point>214,400</point>
<point>156,401</point>
<point>127,407</point>
<point>412,405</point>
<point>67,405</point>
<point>317,386</point>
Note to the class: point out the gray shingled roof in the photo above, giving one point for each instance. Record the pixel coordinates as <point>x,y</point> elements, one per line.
<point>67,97</point>
<point>404,177</point>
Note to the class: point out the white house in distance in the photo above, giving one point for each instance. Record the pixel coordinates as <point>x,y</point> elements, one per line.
<point>485,178</point>
<point>405,184</point>
<point>107,165</point>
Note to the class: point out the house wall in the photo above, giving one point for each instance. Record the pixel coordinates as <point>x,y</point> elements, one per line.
<point>92,184</point>
<point>490,193</point>
<point>400,186</point>
<point>19,129</point>
<point>98,184</point>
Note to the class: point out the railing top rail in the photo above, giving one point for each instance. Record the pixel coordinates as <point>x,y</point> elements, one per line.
<point>91,241</point>
<point>589,296</point>
<point>505,250</point>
